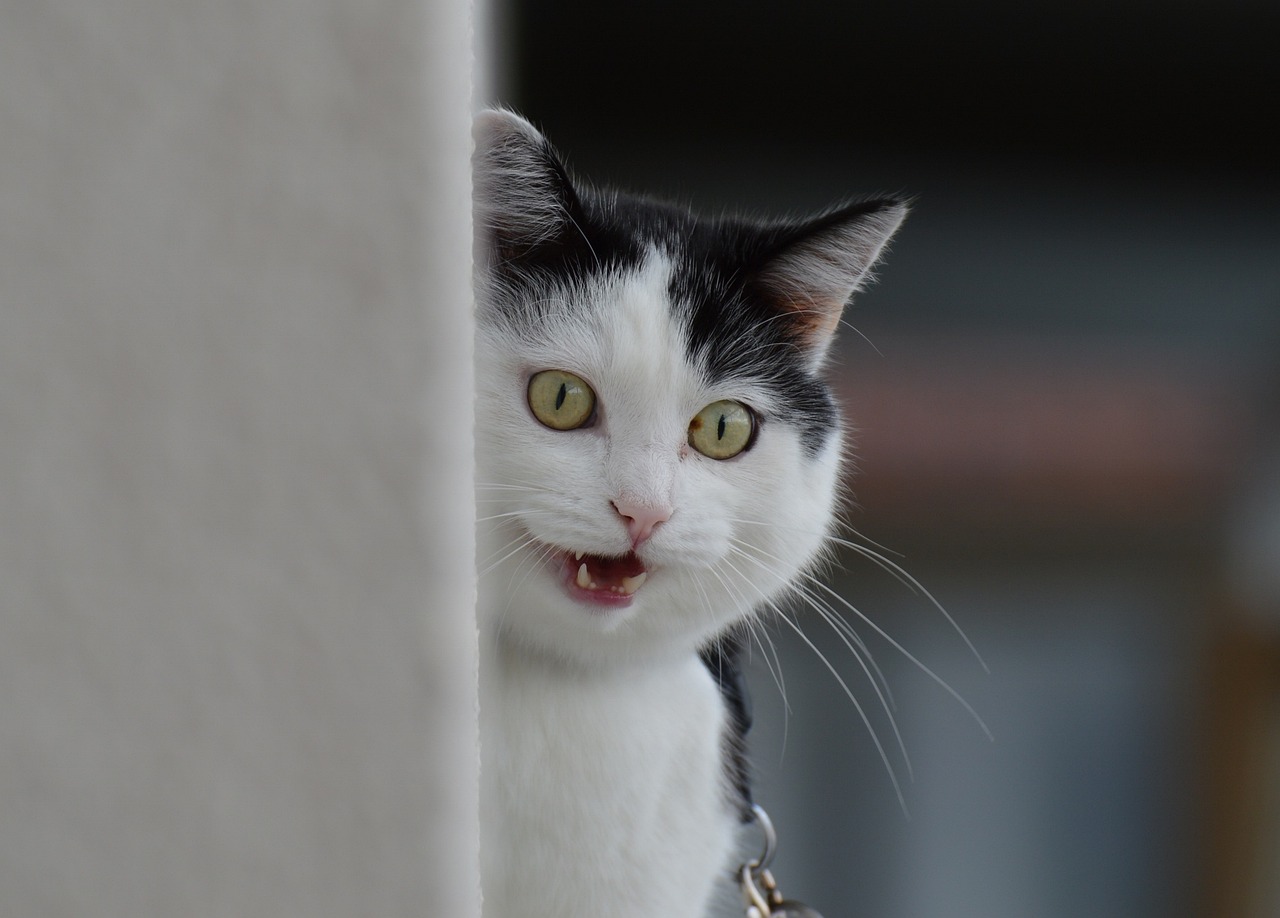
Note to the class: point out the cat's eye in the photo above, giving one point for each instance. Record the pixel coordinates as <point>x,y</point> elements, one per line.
<point>561,400</point>
<point>722,429</point>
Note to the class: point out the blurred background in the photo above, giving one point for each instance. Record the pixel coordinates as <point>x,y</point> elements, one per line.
<point>1064,389</point>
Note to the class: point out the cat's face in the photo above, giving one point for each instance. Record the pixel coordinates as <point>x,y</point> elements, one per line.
<point>694,541</point>
<point>656,454</point>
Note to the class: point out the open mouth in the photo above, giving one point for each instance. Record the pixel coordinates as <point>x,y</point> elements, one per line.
<point>600,580</point>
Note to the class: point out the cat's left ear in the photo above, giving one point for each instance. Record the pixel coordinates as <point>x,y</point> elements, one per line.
<point>818,266</point>
<point>523,196</point>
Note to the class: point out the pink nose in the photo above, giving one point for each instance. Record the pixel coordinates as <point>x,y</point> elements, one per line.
<point>641,519</point>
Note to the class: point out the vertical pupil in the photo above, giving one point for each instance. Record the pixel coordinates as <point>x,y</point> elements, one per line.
<point>720,429</point>
<point>564,390</point>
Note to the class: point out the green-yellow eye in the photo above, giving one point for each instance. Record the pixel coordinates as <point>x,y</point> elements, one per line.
<point>722,429</point>
<point>561,400</point>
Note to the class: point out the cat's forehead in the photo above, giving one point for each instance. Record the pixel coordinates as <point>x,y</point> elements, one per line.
<point>631,312</point>
<point>663,326</point>
<point>620,327</point>
<point>657,327</point>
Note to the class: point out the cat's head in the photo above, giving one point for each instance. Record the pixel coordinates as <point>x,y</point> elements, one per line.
<point>657,453</point>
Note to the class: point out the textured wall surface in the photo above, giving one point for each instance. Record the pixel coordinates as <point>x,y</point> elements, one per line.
<point>236,641</point>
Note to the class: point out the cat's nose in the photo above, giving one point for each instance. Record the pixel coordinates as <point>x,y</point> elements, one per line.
<point>641,519</point>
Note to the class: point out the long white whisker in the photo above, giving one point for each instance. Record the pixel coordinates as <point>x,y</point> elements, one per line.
<point>825,536</point>
<point>761,636</point>
<point>753,627</point>
<point>751,630</point>
<point>861,652</point>
<point>884,757</point>
<point>857,331</point>
<point>523,540</point>
<point>892,566</point>
<point>836,621</point>
<point>875,737</point>
<point>507,515</point>
<point>894,569</point>
<point>829,615</point>
<point>532,561</point>
<point>906,653</point>
<point>881,689</point>
<point>845,524</point>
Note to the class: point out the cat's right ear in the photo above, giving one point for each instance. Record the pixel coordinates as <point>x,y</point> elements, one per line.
<point>523,197</point>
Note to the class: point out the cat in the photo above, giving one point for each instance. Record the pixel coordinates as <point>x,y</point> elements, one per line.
<point>657,462</point>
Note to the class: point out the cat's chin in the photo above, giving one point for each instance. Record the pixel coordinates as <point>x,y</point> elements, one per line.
<point>601,582</point>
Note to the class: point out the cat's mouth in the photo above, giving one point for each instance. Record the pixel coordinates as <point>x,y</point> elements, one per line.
<point>602,580</point>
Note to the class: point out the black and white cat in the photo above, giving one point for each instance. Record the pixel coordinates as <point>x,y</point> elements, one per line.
<point>657,458</point>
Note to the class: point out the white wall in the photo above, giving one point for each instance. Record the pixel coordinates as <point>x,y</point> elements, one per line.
<point>236,642</point>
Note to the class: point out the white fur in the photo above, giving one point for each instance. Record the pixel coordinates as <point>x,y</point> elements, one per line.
<point>602,790</point>
<point>602,794</point>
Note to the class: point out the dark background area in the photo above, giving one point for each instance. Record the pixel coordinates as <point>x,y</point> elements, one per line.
<point>1174,87</point>
<point>1113,122</point>
<point>1064,388</point>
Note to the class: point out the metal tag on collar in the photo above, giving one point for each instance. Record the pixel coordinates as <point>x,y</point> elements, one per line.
<point>759,889</point>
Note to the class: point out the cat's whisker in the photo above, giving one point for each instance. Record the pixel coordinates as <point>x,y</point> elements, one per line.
<point>862,655</point>
<point>756,632</point>
<point>836,620</point>
<point>498,486</point>
<point>849,527</point>
<point>845,323</point>
<point>507,515</point>
<point>762,637</point>
<point>891,567</point>
<point>847,634</point>
<point>875,737</point>
<point>861,711</point>
<point>805,530</point>
<point>896,645</point>
<point>551,320</point>
<point>528,564</point>
<point>898,570</point>
<point>858,647</point>
<point>481,563</point>
<point>740,600</point>
<point>906,653</point>
<point>524,541</point>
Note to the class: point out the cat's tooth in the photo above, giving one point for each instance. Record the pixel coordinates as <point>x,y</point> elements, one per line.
<point>583,579</point>
<point>631,584</point>
<point>577,556</point>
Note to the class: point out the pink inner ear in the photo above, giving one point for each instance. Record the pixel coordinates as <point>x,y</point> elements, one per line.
<point>812,316</point>
<point>817,318</point>
<point>814,277</point>
<point>812,286</point>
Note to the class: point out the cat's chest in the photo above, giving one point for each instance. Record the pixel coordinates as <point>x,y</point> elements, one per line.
<point>603,794</point>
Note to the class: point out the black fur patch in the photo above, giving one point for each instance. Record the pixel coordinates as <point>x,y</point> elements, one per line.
<point>736,332</point>
<point>732,329</point>
<point>723,659</point>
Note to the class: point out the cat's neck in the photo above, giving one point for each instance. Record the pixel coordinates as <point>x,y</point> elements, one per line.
<point>508,654</point>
